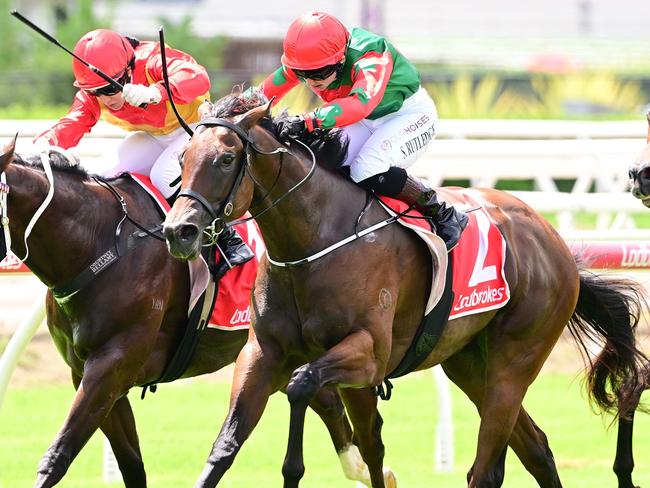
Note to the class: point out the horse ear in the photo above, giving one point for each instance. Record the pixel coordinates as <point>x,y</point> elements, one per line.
<point>7,153</point>
<point>205,109</point>
<point>252,117</point>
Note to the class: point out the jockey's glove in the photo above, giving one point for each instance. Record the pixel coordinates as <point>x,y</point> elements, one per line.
<point>294,126</point>
<point>137,95</point>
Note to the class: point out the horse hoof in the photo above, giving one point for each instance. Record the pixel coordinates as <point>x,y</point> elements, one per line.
<point>390,481</point>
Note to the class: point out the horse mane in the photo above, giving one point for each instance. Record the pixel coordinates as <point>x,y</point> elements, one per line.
<point>329,146</point>
<point>57,161</point>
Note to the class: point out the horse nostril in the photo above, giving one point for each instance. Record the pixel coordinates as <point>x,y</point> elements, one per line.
<point>644,174</point>
<point>188,233</point>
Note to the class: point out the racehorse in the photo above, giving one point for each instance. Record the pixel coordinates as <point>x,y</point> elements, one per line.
<point>640,172</point>
<point>345,318</point>
<point>121,328</point>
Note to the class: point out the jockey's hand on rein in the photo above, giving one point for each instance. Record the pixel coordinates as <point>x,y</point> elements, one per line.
<point>294,126</point>
<point>137,95</point>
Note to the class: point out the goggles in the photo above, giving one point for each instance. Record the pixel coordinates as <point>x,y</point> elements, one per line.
<point>318,74</point>
<point>110,89</point>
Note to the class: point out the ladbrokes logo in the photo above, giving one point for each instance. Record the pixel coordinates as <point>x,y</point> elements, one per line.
<point>241,317</point>
<point>633,258</point>
<point>484,297</point>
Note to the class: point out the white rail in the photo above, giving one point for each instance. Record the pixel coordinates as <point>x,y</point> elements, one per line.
<point>593,155</point>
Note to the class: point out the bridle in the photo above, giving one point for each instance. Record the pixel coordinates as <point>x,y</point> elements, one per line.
<point>225,207</point>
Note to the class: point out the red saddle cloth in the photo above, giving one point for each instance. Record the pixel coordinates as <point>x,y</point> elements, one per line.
<point>479,282</point>
<point>232,306</point>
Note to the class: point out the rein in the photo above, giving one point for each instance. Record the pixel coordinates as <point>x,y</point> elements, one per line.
<point>64,292</point>
<point>126,216</point>
<point>4,191</point>
<point>226,206</point>
<point>327,250</point>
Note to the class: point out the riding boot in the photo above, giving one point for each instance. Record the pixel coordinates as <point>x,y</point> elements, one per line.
<point>234,251</point>
<point>448,221</point>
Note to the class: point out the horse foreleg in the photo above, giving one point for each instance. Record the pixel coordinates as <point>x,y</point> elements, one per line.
<point>362,408</point>
<point>119,428</point>
<point>351,363</point>
<point>302,388</point>
<point>102,384</point>
<point>252,385</point>
<point>329,407</point>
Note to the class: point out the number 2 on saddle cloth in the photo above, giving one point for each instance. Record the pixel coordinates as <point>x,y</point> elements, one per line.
<point>474,279</point>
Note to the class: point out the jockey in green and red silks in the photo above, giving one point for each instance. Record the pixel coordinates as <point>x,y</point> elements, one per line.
<point>373,94</point>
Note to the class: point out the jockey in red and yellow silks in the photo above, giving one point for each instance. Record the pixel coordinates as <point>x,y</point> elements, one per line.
<point>142,108</point>
<point>153,148</point>
<point>373,94</point>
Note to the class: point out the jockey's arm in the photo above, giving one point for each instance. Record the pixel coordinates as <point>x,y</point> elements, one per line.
<point>188,80</point>
<point>369,80</point>
<point>80,119</point>
<point>279,83</point>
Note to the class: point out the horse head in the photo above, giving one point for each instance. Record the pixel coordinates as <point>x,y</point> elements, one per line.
<point>640,172</point>
<point>236,161</point>
<point>216,185</point>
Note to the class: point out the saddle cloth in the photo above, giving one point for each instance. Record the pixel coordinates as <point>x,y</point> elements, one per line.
<point>478,260</point>
<point>232,306</point>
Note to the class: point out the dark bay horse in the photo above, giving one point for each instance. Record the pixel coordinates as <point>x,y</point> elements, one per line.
<point>347,318</point>
<point>121,329</point>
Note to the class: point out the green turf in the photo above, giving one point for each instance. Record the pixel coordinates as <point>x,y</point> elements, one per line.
<point>178,424</point>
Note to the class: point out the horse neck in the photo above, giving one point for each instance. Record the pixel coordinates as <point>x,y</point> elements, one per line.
<point>321,212</point>
<point>63,236</point>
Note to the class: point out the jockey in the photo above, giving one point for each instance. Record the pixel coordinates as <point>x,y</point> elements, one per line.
<point>142,108</point>
<point>373,93</point>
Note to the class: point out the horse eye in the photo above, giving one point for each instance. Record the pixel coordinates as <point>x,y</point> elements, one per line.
<point>227,159</point>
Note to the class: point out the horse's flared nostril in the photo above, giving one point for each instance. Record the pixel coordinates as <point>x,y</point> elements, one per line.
<point>188,233</point>
<point>180,233</point>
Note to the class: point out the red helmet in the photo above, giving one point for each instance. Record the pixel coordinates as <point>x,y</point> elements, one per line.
<point>314,40</point>
<point>104,49</point>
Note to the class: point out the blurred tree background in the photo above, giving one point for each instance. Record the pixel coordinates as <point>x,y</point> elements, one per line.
<point>36,76</point>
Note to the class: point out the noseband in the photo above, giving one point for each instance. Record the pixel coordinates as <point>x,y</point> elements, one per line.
<point>225,208</point>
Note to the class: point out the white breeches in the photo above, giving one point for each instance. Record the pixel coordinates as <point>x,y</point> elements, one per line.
<point>396,139</point>
<point>153,156</point>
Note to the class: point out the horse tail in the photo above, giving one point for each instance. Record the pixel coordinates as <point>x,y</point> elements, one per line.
<point>607,314</point>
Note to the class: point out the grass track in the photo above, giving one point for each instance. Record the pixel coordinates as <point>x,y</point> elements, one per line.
<point>178,424</point>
